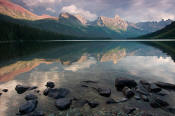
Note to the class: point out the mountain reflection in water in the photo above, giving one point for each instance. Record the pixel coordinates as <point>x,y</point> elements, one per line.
<point>68,65</point>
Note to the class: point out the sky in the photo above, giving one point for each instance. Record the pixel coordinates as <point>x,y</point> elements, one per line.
<point>130,10</point>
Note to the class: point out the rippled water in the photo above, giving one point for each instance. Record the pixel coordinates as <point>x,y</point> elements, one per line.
<point>67,65</point>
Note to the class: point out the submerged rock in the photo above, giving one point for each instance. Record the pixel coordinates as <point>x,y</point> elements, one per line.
<point>0,94</point>
<point>93,104</point>
<point>28,107</point>
<point>129,110</point>
<point>86,86</point>
<point>137,97</point>
<point>32,88</point>
<point>167,86</point>
<point>89,81</point>
<point>104,92</point>
<point>122,82</point>
<point>128,92</point>
<point>142,90</point>
<point>5,90</point>
<point>122,100</point>
<point>81,102</point>
<point>171,110</point>
<point>36,113</point>
<point>111,101</point>
<point>154,88</point>
<point>21,89</point>
<point>157,103</point>
<point>46,91</point>
<point>50,84</point>
<point>144,98</point>
<point>57,93</point>
<point>30,97</point>
<point>63,103</point>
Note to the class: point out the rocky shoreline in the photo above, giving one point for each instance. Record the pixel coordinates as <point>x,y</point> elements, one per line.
<point>143,91</point>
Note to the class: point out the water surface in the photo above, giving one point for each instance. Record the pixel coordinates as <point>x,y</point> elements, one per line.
<point>67,64</point>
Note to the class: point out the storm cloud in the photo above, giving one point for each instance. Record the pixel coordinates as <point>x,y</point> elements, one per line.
<point>130,10</point>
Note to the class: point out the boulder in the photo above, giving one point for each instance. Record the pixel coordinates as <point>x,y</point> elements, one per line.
<point>36,113</point>
<point>157,103</point>
<point>50,84</point>
<point>144,98</point>
<point>89,81</point>
<point>167,86</point>
<point>122,100</point>
<point>128,92</point>
<point>137,97</point>
<point>5,90</point>
<point>129,110</point>
<point>80,102</point>
<point>28,107</point>
<point>30,97</point>
<point>63,103</point>
<point>171,110</point>
<point>58,93</point>
<point>145,84</point>
<point>93,104</point>
<point>120,83</point>
<point>154,88</point>
<point>21,89</point>
<point>142,90</point>
<point>111,101</point>
<point>104,92</point>
<point>46,91</point>
<point>32,88</point>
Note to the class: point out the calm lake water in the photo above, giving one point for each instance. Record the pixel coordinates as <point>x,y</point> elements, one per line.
<point>67,64</point>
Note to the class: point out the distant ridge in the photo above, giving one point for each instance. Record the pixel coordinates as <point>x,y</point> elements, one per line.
<point>18,12</point>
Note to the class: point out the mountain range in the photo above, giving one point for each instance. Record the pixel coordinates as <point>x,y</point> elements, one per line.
<point>77,25</point>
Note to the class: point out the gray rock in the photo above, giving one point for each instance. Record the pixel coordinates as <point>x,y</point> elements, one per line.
<point>5,90</point>
<point>137,97</point>
<point>122,100</point>
<point>46,91</point>
<point>0,94</point>
<point>81,102</point>
<point>36,113</point>
<point>89,81</point>
<point>144,98</point>
<point>63,103</point>
<point>58,93</point>
<point>28,107</point>
<point>111,101</point>
<point>154,88</point>
<point>129,110</point>
<point>30,97</point>
<point>106,92</point>
<point>171,110</point>
<point>32,88</point>
<point>50,84</point>
<point>128,92</point>
<point>157,103</point>
<point>122,82</point>
<point>167,86</point>
<point>21,89</point>
<point>93,104</point>
<point>145,84</point>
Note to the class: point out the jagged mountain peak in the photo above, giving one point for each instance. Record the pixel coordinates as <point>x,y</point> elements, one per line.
<point>115,23</point>
<point>75,17</point>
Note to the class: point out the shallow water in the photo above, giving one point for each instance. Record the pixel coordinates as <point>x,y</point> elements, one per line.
<point>70,64</point>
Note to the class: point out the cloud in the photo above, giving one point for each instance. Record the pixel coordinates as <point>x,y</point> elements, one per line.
<point>72,9</point>
<point>130,10</point>
<point>50,10</point>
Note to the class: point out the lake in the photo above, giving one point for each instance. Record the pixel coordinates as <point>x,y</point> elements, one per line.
<point>68,64</point>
